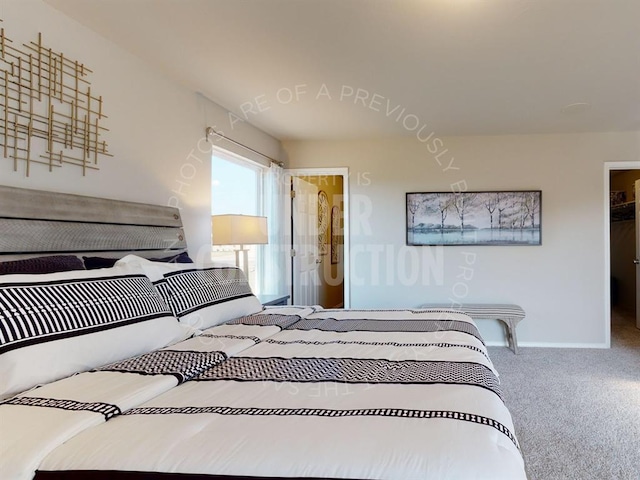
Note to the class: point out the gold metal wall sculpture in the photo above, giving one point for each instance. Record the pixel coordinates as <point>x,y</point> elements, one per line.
<point>49,114</point>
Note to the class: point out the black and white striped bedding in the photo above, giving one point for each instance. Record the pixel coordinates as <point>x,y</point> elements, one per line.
<point>37,421</point>
<point>328,394</point>
<point>55,325</point>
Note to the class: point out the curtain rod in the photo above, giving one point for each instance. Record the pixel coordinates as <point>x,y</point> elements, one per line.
<point>209,131</point>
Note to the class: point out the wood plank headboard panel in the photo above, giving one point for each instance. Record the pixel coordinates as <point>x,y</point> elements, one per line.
<point>38,222</point>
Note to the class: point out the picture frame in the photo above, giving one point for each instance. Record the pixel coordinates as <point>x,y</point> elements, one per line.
<point>512,217</point>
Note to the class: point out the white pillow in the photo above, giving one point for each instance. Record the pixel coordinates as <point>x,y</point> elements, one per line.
<point>54,325</point>
<point>154,270</point>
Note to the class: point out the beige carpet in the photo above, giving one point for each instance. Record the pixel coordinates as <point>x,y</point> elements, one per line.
<point>577,411</point>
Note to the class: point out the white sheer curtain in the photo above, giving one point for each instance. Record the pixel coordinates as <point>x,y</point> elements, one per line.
<point>272,279</point>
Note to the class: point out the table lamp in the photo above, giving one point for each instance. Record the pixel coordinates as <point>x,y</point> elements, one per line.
<point>239,230</point>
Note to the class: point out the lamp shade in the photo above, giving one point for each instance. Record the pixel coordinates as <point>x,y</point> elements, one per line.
<point>238,230</point>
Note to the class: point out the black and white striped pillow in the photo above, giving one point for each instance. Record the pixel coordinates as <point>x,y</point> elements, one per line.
<point>55,325</point>
<point>206,297</point>
<point>200,297</point>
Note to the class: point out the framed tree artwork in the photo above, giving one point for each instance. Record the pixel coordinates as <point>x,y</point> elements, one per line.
<point>474,218</point>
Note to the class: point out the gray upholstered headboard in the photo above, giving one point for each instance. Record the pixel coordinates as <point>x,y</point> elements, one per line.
<point>34,222</point>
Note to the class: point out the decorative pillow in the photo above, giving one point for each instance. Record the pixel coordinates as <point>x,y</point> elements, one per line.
<point>91,263</point>
<point>54,325</point>
<point>50,264</point>
<point>206,297</point>
<point>200,297</point>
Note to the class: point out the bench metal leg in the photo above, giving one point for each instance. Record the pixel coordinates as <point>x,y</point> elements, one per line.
<point>512,339</point>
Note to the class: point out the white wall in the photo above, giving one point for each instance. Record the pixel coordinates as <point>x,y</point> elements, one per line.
<point>559,284</point>
<point>156,125</point>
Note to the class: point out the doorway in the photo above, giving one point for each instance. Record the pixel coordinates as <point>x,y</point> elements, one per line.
<point>621,244</point>
<point>318,272</point>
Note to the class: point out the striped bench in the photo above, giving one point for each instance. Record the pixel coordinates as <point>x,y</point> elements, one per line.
<point>508,314</point>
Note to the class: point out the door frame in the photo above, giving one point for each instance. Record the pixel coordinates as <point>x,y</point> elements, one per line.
<point>315,172</point>
<point>608,167</point>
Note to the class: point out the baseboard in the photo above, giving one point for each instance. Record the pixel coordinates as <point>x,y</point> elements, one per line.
<point>551,345</point>
<point>563,345</point>
<point>497,344</point>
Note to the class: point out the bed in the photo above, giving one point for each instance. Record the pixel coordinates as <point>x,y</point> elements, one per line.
<point>158,370</point>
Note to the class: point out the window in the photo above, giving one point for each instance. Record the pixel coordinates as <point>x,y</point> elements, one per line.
<point>236,188</point>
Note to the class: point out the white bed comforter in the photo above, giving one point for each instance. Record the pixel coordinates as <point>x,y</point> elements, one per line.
<point>395,395</point>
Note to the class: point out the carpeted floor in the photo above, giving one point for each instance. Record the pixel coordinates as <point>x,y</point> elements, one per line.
<point>577,411</point>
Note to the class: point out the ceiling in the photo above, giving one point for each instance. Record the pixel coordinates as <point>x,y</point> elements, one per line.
<point>337,69</point>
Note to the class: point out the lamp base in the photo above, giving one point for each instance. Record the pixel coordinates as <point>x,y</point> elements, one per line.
<point>244,253</point>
